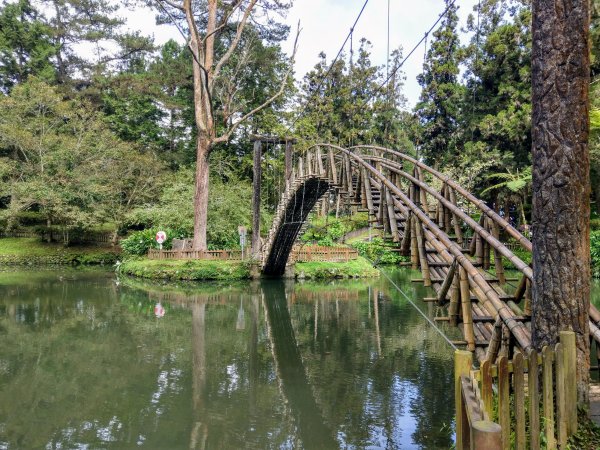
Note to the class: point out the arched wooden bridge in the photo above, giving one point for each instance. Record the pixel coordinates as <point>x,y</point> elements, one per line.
<point>425,213</point>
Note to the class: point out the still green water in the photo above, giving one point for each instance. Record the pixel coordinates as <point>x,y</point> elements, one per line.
<point>85,363</point>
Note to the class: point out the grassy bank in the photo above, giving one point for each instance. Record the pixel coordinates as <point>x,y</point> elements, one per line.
<point>32,251</point>
<point>191,270</point>
<point>358,268</point>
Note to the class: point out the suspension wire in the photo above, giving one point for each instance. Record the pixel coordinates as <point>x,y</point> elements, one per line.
<point>476,65</point>
<point>423,39</point>
<point>320,85</point>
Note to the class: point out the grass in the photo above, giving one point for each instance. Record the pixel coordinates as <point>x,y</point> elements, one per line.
<point>191,270</point>
<point>33,251</point>
<point>358,268</point>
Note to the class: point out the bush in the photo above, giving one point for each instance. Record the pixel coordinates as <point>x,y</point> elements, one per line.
<point>327,231</point>
<point>378,251</point>
<point>139,242</point>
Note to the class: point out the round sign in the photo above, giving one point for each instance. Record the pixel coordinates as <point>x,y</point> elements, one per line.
<point>161,237</point>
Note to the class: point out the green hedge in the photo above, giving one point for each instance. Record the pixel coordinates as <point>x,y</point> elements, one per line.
<point>358,268</point>
<point>186,269</point>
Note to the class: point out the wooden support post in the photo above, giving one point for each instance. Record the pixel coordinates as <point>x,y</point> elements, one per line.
<point>422,252</point>
<point>368,191</point>
<point>454,299</point>
<point>486,247</point>
<point>455,219</point>
<point>495,340</point>
<point>332,167</point>
<point>309,163</point>
<point>392,216</point>
<point>418,173</point>
<point>301,167</point>
<point>462,366</point>
<point>289,148</point>
<point>447,213</point>
<point>406,239</point>
<point>467,311</point>
<point>414,247</point>
<point>441,297</point>
<point>348,172</point>
<point>561,407</point>
<point>319,163</point>
<point>498,265</point>
<point>256,181</point>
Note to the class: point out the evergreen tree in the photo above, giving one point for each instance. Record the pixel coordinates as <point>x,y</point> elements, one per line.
<point>25,45</point>
<point>439,107</point>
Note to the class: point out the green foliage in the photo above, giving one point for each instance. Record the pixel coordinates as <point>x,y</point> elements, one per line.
<point>186,269</point>
<point>358,268</point>
<point>328,230</point>
<point>595,252</point>
<point>376,250</point>
<point>59,158</point>
<point>139,242</point>
<point>32,251</point>
<point>26,46</point>
<point>229,207</point>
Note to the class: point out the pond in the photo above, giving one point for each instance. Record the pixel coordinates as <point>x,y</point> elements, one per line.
<point>91,360</point>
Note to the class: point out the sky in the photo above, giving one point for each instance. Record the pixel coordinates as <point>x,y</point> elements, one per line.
<point>326,23</point>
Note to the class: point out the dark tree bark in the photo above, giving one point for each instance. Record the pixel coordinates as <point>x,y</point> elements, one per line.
<point>561,185</point>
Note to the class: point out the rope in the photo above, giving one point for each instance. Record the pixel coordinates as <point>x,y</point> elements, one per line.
<point>431,322</point>
<point>320,85</point>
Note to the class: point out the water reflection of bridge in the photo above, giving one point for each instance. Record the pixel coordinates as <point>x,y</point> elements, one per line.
<point>324,326</point>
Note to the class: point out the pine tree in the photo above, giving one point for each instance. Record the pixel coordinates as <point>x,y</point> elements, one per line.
<point>439,107</point>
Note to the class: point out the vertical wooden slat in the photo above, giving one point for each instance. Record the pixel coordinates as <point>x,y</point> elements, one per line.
<point>504,401</point>
<point>392,216</point>
<point>368,191</point>
<point>567,339</point>
<point>519,400</point>
<point>414,247</point>
<point>457,227</point>
<point>486,389</point>
<point>462,366</point>
<point>498,265</point>
<point>534,399</point>
<point>561,407</point>
<point>548,396</point>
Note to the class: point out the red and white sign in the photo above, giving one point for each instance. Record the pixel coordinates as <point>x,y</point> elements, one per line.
<point>161,237</point>
<point>159,310</point>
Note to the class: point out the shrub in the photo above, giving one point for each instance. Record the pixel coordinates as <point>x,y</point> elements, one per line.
<point>139,242</point>
<point>378,251</point>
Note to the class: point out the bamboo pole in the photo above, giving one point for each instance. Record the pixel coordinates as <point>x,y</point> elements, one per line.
<point>454,299</point>
<point>414,246</point>
<point>332,166</point>
<point>455,218</point>
<point>467,310</point>
<point>422,253</point>
<point>548,396</point>
<point>462,366</point>
<point>498,265</point>
<point>504,401</point>
<point>534,399</point>
<point>495,341</point>
<point>441,297</point>
<point>392,216</point>
<point>519,401</point>
<point>369,193</point>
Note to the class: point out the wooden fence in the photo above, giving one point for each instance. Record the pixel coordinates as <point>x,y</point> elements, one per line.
<point>228,255</point>
<point>507,399</point>
<point>310,253</point>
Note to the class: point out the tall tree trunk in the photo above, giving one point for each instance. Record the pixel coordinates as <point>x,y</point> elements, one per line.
<point>561,187</point>
<point>201,194</point>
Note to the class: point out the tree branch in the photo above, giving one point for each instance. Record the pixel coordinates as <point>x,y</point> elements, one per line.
<point>173,4</point>
<point>235,42</point>
<point>225,137</point>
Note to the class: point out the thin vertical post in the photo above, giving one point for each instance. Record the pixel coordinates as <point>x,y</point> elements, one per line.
<point>289,148</point>
<point>256,181</point>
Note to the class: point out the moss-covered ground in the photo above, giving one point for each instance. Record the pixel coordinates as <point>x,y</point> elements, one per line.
<point>358,268</point>
<point>186,269</point>
<point>33,251</point>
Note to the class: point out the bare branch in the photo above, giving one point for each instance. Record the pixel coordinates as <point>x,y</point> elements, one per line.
<point>173,4</point>
<point>225,137</point>
<point>225,19</point>
<point>236,40</point>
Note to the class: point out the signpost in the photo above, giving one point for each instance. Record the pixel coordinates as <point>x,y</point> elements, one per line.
<point>161,237</point>
<point>242,231</point>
